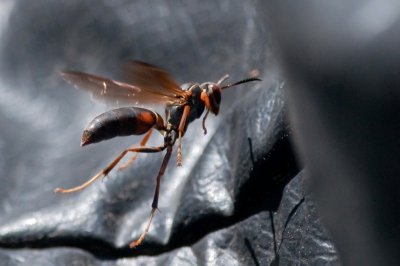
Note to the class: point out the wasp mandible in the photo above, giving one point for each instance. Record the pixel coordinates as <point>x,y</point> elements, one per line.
<point>146,84</point>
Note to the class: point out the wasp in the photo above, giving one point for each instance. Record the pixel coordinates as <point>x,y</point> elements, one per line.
<point>146,84</point>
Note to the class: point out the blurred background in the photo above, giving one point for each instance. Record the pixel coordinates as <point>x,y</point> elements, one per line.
<point>341,63</point>
<point>299,169</point>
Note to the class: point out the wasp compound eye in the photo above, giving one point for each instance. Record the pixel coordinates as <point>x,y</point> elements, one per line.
<point>214,94</point>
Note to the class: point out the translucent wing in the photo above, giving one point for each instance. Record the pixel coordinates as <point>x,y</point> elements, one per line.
<point>152,78</point>
<point>148,85</point>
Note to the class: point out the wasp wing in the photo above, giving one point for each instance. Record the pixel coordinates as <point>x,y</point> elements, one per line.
<point>153,78</point>
<point>150,85</point>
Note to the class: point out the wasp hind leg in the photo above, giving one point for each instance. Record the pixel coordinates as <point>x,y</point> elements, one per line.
<point>133,158</point>
<point>111,166</point>
<point>154,205</point>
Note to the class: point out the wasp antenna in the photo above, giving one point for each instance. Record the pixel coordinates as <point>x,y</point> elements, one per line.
<point>240,82</point>
<point>222,79</point>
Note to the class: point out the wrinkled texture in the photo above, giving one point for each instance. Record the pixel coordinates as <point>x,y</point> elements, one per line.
<point>237,200</point>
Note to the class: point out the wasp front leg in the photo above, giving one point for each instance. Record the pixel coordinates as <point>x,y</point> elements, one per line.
<point>181,128</point>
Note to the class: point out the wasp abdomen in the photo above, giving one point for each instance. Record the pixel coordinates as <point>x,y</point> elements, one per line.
<point>119,122</point>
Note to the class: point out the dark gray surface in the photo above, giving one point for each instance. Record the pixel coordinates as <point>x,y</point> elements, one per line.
<point>216,209</point>
<point>248,242</point>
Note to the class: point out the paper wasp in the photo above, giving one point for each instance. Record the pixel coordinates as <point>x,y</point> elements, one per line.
<point>146,84</point>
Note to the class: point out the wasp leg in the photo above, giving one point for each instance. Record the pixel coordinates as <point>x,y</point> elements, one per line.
<point>154,205</point>
<point>106,170</point>
<point>181,128</point>
<point>204,122</point>
<point>133,158</point>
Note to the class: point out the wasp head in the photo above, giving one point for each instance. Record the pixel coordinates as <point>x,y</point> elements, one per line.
<point>211,96</point>
<point>211,92</point>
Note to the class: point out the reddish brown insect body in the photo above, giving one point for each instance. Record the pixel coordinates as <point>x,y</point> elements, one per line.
<point>147,84</point>
<point>121,122</point>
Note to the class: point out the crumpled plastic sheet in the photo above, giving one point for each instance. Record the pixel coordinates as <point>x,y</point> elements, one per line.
<point>237,200</point>
<point>290,236</point>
